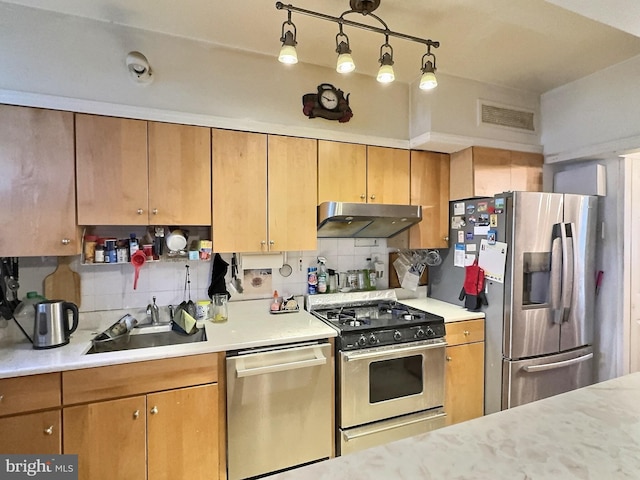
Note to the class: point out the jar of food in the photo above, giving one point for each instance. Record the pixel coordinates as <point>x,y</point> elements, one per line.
<point>203,308</point>
<point>90,248</point>
<point>219,312</point>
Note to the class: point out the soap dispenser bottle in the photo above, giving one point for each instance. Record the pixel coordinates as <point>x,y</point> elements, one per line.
<point>322,275</point>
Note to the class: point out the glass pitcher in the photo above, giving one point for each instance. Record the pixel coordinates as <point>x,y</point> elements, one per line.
<point>219,308</point>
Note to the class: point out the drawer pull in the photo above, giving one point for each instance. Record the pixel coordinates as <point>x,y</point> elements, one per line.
<point>65,241</point>
<point>154,410</point>
<point>136,414</point>
<point>466,333</point>
<point>49,430</point>
<point>448,358</point>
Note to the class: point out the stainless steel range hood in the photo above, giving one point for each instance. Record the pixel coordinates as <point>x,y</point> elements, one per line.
<point>365,220</point>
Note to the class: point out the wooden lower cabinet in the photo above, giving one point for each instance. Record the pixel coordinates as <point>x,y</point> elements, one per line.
<point>165,435</point>
<point>154,420</point>
<point>33,433</point>
<point>109,438</point>
<point>464,371</point>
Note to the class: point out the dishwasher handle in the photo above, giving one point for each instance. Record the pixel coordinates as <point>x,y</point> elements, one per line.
<point>319,359</point>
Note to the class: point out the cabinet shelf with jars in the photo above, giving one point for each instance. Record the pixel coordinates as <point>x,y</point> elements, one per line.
<point>112,245</point>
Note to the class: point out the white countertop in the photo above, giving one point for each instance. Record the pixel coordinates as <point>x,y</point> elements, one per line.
<point>591,433</point>
<point>250,325</point>
<point>450,312</point>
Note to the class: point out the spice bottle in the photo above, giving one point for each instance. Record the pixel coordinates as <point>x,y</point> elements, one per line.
<point>99,254</point>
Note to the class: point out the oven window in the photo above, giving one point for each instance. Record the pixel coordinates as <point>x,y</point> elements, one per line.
<point>395,378</point>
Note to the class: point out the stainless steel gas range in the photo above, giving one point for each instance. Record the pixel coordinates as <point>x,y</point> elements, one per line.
<point>390,368</point>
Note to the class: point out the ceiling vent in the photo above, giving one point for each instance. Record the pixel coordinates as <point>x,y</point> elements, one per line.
<point>503,116</point>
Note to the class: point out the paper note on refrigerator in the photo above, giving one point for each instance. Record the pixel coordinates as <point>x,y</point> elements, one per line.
<point>458,255</point>
<point>492,259</point>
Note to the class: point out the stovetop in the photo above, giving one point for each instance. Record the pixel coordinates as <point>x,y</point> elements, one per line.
<point>365,323</point>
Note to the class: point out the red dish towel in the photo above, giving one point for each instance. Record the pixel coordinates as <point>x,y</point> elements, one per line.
<point>473,289</point>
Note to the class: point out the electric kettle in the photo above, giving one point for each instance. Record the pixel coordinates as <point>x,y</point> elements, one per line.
<point>51,327</point>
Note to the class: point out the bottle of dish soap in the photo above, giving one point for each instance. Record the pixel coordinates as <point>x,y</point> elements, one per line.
<point>322,275</point>
<point>275,306</point>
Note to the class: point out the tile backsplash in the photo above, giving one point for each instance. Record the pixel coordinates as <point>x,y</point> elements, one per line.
<point>110,286</point>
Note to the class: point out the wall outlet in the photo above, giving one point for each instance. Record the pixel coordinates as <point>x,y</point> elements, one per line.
<point>366,242</point>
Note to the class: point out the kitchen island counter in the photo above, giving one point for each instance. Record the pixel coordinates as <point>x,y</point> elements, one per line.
<point>590,433</point>
<point>250,325</point>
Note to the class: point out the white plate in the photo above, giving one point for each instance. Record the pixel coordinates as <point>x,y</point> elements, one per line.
<point>176,241</point>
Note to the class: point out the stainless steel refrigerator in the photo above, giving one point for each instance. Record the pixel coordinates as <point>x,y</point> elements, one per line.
<point>539,321</point>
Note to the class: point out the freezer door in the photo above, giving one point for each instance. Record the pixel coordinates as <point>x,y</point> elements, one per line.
<point>529,327</point>
<point>577,326</point>
<point>537,378</point>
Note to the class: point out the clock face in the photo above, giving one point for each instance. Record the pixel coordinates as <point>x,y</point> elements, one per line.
<point>328,99</point>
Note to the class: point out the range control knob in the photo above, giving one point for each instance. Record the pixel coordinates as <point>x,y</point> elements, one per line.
<point>420,333</point>
<point>397,335</point>
<point>372,339</point>
<point>430,332</point>
<point>362,341</point>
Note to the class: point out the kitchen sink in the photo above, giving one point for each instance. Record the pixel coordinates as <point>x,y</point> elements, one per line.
<point>146,337</point>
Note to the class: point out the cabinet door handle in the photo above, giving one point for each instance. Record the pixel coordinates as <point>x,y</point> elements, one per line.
<point>66,241</point>
<point>372,197</point>
<point>154,410</point>
<point>448,358</point>
<point>1,398</point>
<point>140,211</point>
<point>49,430</point>
<point>446,239</point>
<point>272,242</point>
<point>136,414</point>
<point>363,196</point>
<point>154,211</point>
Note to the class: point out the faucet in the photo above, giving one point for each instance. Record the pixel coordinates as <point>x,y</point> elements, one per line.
<point>153,313</point>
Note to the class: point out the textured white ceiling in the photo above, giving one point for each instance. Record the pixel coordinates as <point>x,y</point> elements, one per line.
<point>532,45</point>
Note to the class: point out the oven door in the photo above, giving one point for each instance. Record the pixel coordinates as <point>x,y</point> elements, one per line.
<point>385,382</point>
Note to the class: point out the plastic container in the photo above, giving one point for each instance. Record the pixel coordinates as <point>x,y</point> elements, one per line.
<point>312,280</point>
<point>322,276</point>
<point>25,311</point>
<point>203,309</point>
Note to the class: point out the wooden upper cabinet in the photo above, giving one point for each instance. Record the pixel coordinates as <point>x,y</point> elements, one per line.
<point>484,172</point>
<point>111,170</point>
<point>179,174</point>
<point>38,182</point>
<point>239,200</point>
<point>293,173</point>
<point>342,172</point>
<point>387,175</point>
<point>133,172</point>
<point>430,189</point>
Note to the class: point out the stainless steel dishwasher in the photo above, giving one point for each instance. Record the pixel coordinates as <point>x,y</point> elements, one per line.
<point>279,408</point>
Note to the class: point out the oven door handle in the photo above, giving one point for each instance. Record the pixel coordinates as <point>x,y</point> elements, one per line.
<point>353,356</point>
<point>372,429</point>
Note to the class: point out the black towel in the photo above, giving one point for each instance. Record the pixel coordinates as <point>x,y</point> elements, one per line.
<point>218,272</point>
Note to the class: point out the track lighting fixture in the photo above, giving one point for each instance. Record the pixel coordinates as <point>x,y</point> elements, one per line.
<point>345,62</point>
<point>428,79</point>
<point>288,52</point>
<point>385,73</point>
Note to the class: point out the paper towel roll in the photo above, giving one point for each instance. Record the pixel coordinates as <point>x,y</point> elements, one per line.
<point>251,261</point>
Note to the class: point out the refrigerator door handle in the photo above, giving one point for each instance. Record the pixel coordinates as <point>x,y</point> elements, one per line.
<point>554,365</point>
<point>555,284</point>
<point>567,268</point>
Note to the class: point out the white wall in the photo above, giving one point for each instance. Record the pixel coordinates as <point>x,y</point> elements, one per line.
<point>446,119</point>
<point>594,116</point>
<point>81,59</point>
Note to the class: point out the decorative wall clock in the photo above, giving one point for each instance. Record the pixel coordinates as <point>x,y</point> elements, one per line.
<point>329,103</point>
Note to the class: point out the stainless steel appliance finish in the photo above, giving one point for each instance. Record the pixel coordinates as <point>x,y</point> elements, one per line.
<point>365,220</point>
<point>390,369</point>
<point>545,306</point>
<point>51,326</point>
<point>279,408</point>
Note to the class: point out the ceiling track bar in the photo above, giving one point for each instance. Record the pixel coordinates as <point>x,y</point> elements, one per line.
<point>344,21</point>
